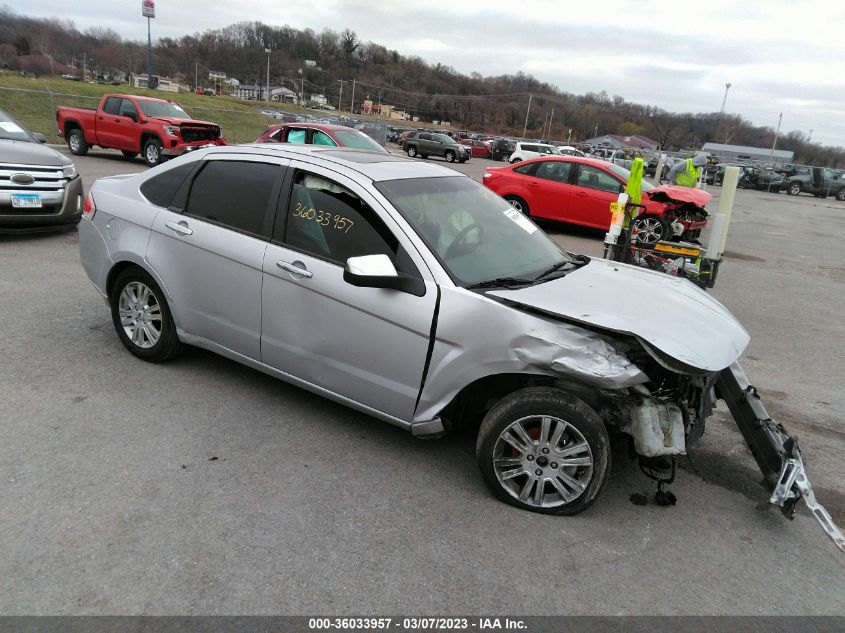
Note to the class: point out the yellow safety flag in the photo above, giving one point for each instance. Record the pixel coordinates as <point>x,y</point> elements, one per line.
<point>634,189</point>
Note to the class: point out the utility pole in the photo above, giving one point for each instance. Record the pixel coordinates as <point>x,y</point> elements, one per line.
<point>780,117</point>
<point>84,66</point>
<point>268,51</point>
<point>352,100</point>
<point>149,55</point>
<point>809,136</point>
<point>727,87</point>
<point>551,116</point>
<point>596,131</point>
<point>340,96</point>
<point>527,112</point>
<point>196,75</point>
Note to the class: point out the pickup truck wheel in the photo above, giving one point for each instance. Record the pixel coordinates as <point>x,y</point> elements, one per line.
<point>128,154</point>
<point>76,143</point>
<point>794,189</point>
<point>651,229</point>
<point>840,195</point>
<point>519,204</point>
<point>142,317</point>
<point>450,156</point>
<point>543,450</point>
<point>152,152</point>
<point>412,151</point>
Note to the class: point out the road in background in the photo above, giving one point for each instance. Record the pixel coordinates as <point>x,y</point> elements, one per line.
<point>199,486</point>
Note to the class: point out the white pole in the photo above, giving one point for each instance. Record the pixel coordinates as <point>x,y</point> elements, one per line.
<point>659,171</point>
<point>352,100</point>
<point>726,206</point>
<point>780,116</point>
<point>527,112</point>
<point>267,50</point>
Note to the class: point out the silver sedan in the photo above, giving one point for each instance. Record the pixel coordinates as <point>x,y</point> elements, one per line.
<point>412,293</point>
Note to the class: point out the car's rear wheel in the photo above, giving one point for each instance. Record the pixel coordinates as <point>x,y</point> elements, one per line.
<point>519,204</point>
<point>412,151</point>
<point>794,189</point>
<point>543,450</point>
<point>152,152</point>
<point>76,143</point>
<point>142,317</point>
<point>651,228</point>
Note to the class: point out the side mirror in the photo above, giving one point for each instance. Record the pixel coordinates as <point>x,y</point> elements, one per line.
<point>38,136</point>
<point>378,271</point>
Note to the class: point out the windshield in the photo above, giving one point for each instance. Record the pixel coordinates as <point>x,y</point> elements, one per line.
<point>444,139</point>
<point>475,234</point>
<point>624,174</point>
<point>12,130</point>
<point>163,109</point>
<point>358,140</point>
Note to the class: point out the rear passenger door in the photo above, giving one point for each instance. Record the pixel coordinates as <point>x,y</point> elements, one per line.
<point>367,345</point>
<point>208,248</point>
<point>549,189</point>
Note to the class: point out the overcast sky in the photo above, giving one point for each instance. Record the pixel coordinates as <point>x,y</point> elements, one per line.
<point>779,56</point>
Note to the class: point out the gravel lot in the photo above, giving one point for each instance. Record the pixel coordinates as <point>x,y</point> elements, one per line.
<point>203,487</point>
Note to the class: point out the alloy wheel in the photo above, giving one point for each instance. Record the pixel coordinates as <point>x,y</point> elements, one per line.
<point>543,461</point>
<point>140,314</point>
<point>649,230</point>
<point>152,154</point>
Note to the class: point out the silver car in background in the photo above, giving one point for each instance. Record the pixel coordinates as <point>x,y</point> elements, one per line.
<point>412,293</point>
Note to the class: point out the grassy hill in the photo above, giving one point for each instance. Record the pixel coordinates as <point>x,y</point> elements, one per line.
<point>30,101</point>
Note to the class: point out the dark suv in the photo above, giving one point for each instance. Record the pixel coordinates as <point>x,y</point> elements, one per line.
<point>502,148</point>
<point>427,144</point>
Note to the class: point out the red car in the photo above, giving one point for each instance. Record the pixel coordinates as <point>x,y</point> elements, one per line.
<point>479,149</point>
<point>579,191</point>
<point>319,134</point>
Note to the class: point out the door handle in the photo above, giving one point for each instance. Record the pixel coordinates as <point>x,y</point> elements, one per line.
<point>180,227</point>
<point>294,269</point>
<point>581,193</point>
<point>117,120</point>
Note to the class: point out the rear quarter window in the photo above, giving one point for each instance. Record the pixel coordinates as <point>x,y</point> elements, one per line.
<point>161,189</point>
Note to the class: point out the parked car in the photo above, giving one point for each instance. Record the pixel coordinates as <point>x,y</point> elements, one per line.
<point>568,150</point>
<point>156,128</point>
<point>319,134</point>
<point>502,148</point>
<point>579,191</point>
<point>820,182</point>
<point>413,294</point>
<point>39,187</point>
<point>478,148</point>
<point>425,144</point>
<point>524,151</point>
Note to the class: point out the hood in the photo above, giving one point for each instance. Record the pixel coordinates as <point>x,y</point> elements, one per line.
<point>185,122</point>
<point>668,193</point>
<point>25,153</point>
<point>667,313</point>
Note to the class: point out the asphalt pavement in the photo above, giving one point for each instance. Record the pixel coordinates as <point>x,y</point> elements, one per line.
<point>199,486</point>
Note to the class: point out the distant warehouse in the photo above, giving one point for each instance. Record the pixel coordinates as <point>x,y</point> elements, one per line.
<point>737,153</point>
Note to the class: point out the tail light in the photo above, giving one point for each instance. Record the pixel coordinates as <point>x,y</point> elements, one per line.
<point>88,207</point>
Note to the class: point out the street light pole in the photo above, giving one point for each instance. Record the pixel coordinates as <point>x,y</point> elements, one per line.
<point>268,51</point>
<point>340,96</point>
<point>780,117</point>
<point>149,56</point>
<point>727,87</point>
<point>527,112</point>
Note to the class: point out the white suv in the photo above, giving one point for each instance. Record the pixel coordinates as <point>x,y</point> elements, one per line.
<point>524,151</point>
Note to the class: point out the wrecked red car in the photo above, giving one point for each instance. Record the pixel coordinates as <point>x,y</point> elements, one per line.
<point>579,191</point>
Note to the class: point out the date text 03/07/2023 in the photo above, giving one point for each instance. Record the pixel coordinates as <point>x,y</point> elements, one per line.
<point>418,624</point>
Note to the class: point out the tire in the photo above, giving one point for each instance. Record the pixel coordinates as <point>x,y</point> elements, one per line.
<point>526,469</point>
<point>519,204</point>
<point>651,228</point>
<point>152,152</point>
<point>793,189</point>
<point>129,308</point>
<point>840,195</point>
<point>515,161</point>
<point>449,156</point>
<point>412,151</point>
<point>129,154</point>
<point>76,143</point>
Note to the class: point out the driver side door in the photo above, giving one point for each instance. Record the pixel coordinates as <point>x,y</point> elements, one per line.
<point>367,345</point>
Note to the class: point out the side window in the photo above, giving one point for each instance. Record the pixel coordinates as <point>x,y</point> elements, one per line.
<point>112,105</point>
<point>554,170</point>
<point>329,221</point>
<point>595,178</point>
<point>526,170</point>
<point>296,136</point>
<point>160,189</point>
<point>424,137</point>
<point>127,108</point>
<point>235,194</point>
<point>321,138</point>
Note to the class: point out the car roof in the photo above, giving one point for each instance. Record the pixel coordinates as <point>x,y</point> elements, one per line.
<point>567,159</point>
<point>376,166</point>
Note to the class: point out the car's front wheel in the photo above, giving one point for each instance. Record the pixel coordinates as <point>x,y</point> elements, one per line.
<point>543,450</point>
<point>651,229</point>
<point>152,152</point>
<point>142,317</point>
<point>840,195</point>
<point>450,156</point>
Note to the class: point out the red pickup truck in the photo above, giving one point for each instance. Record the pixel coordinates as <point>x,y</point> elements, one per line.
<point>155,127</point>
